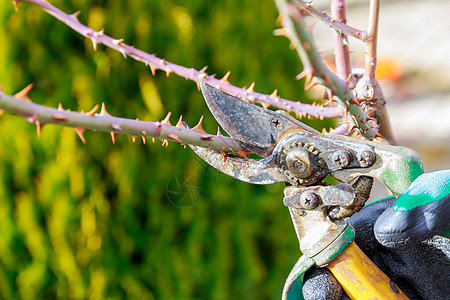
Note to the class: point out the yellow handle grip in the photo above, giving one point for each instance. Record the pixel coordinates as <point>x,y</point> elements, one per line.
<point>361,278</point>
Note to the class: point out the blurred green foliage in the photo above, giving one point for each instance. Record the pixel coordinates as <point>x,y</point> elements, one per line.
<point>135,221</point>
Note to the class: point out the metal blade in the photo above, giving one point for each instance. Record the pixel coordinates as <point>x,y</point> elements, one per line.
<point>254,127</point>
<point>263,171</point>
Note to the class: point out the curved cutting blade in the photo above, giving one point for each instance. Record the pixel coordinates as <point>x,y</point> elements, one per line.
<point>262,171</point>
<point>254,127</point>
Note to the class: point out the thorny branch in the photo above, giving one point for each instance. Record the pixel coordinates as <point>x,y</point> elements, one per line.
<point>372,29</point>
<point>295,29</point>
<point>341,48</point>
<point>21,105</point>
<point>333,22</point>
<point>155,63</point>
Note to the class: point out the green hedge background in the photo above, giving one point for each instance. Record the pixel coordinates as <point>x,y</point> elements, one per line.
<point>135,221</point>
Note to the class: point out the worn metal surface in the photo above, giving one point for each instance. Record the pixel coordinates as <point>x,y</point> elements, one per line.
<point>301,157</point>
<point>262,171</point>
<point>395,167</point>
<point>254,127</point>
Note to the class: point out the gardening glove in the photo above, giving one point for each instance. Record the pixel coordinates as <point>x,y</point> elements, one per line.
<point>399,236</point>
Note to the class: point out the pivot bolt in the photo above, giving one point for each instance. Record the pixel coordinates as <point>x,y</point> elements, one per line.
<point>341,158</point>
<point>309,200</point>
<point>365,158</point>
<point>299,163</point>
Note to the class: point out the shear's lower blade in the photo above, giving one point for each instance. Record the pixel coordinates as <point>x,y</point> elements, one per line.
<point>254,171</point>
<point>254,127</point>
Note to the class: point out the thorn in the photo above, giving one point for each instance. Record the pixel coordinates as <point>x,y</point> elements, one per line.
<point>16,6</point>
<point>251,88</point>
<point>199,126</point>
<point>23,94</point>
<point>168,72</point>
<point>324,131</point>
<point>180,122</point>
<point>310,82</point>
<point>80,131</point>
<point>329,102</point>
<point>144,140</point>
<point>218,132</point>
<point>274,93</point>
<point>75,15</point>
<point>302,75</point>
<point>165,143</point>
<point>133,138</point>
<point>175,137</point>
<point>101,32</point>
<point>60,107</point>
<point>60,118</point>
<point>91,113</point>
<point>153,69</point>
<point>167,119</point>
<point>113,137</point>
<point>350,127</point>
<point>94,43</point>
<point>124,52</point>
<point>103,111</point>
<point>32,119</point>
<point>354,119</point>
<point>202,76</point>
<point>354,101</point>
<point>280,32</point>
<point>225,77</point>
<point>206,138</point>
<point>204,69</point>
<point>329,95</point>
<point>153,139</point>
<point>117,42</point>
<point>265,105</point>
<point>243,153</point>
<point>39,127</point>
<point>224,155</point>
<point>198,85</point>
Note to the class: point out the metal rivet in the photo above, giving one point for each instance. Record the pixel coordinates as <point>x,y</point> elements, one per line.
<point>309,200</point>
<point>341,158</point>
<point>365,158</point>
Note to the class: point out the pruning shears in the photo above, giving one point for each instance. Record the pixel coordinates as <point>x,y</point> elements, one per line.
<point>300,156</point>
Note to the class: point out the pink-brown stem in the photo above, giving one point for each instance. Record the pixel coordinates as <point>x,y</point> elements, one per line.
<point>332,22</point>
<point>294,28</point>
<point>341,47</point>
<point>371,47</point>
<point>156,63</point>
